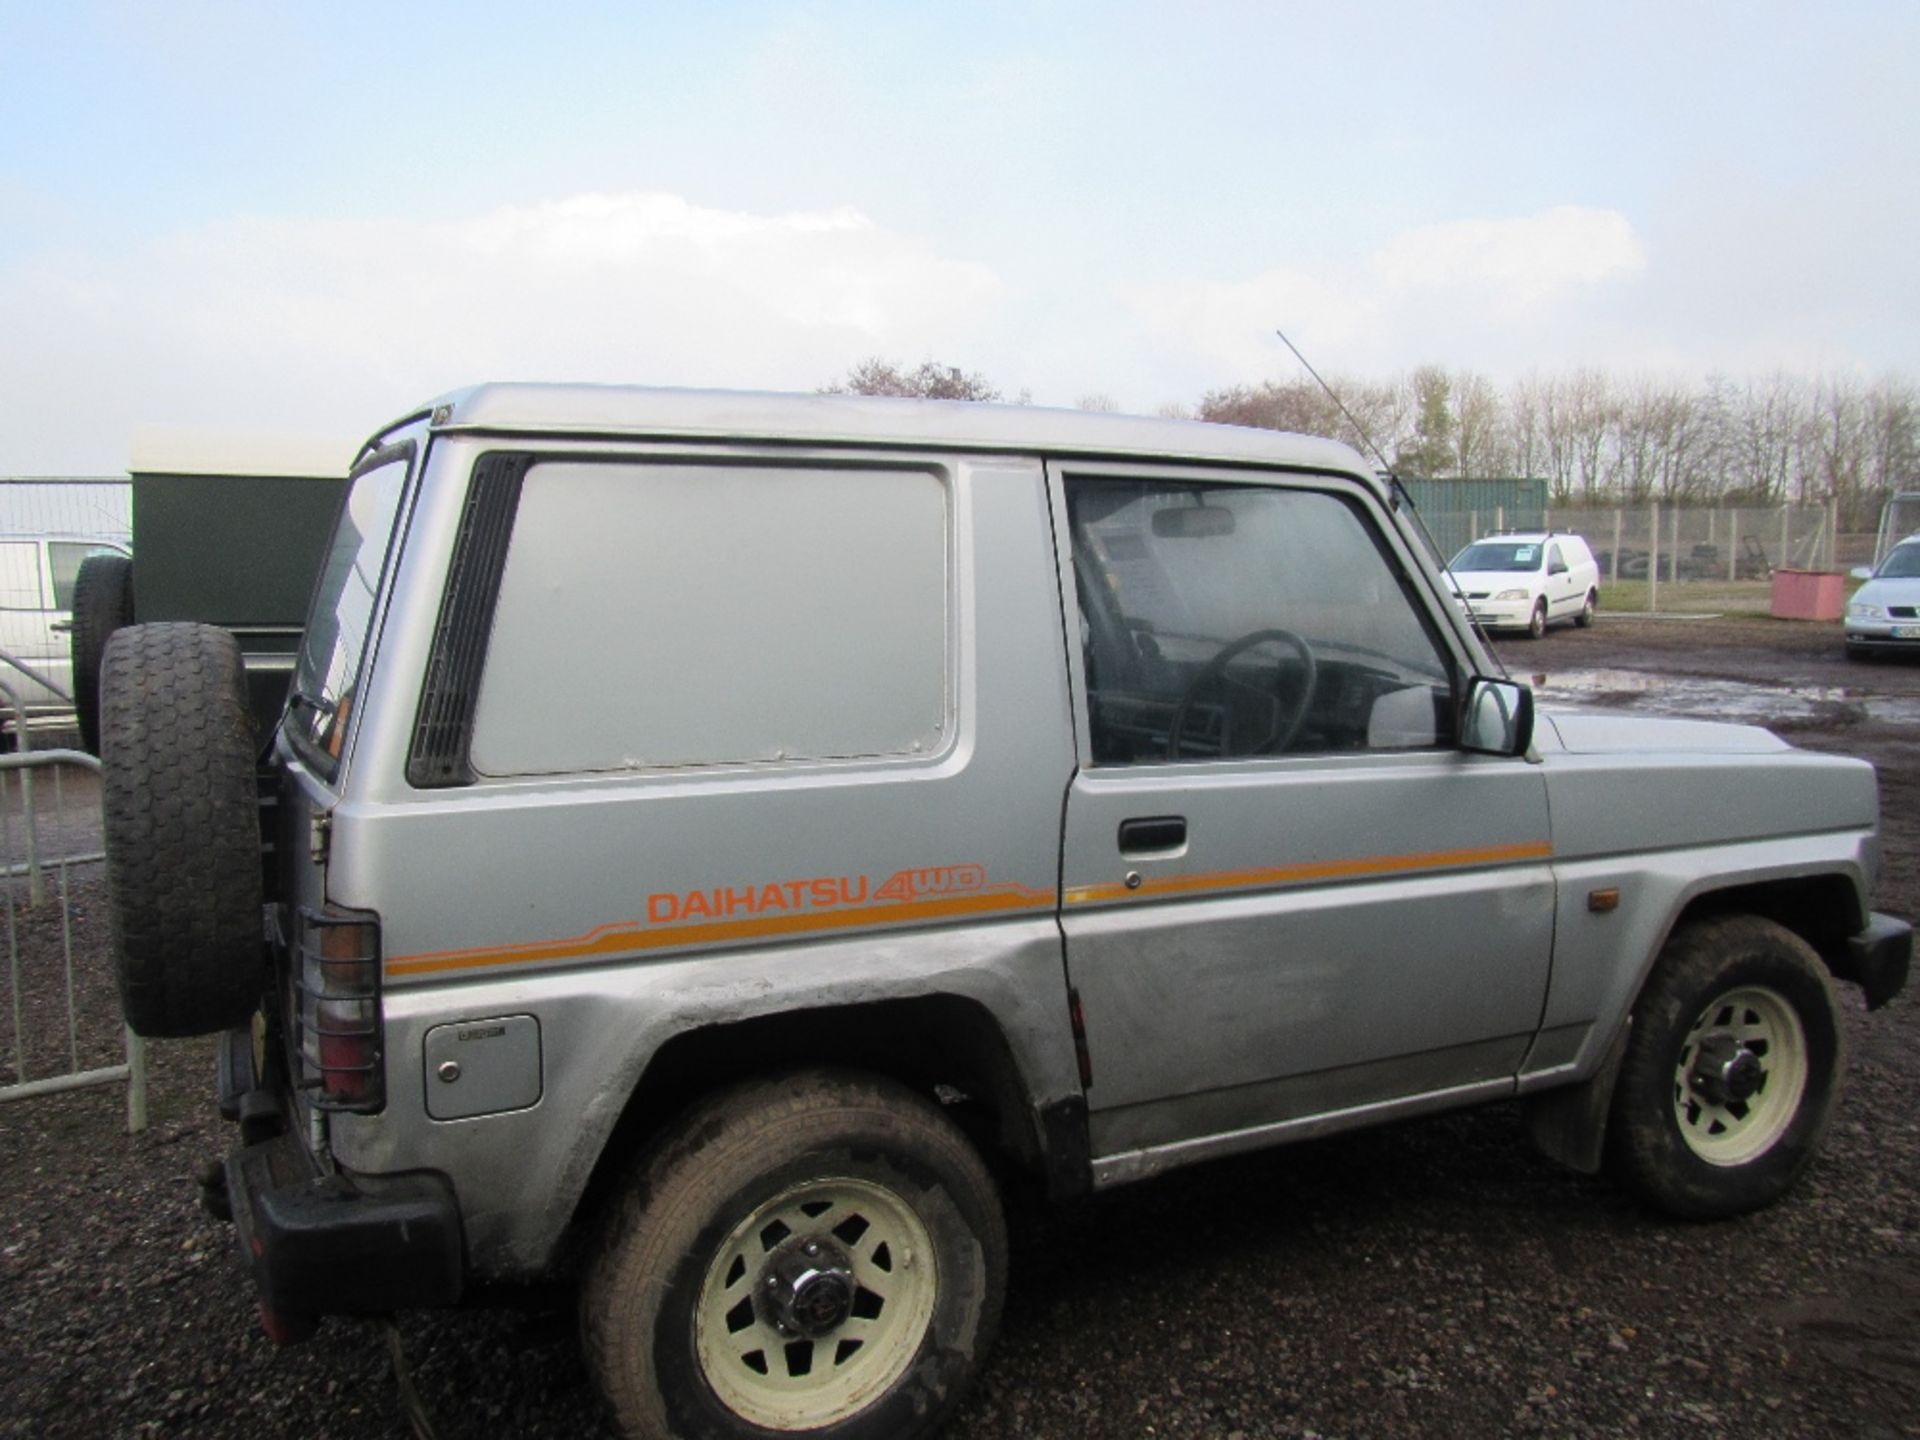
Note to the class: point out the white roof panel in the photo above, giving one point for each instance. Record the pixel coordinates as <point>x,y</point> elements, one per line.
<point>182,450</point>
<point>610,410</point>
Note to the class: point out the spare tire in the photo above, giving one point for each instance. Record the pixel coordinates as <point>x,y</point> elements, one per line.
<point>181,817</point>
<point>102,604</point>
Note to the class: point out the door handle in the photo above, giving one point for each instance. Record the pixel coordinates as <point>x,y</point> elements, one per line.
<point>1153,834</point>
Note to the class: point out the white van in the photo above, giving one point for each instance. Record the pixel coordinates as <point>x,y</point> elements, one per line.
<point>37,575</point>
<point>1527,581</point>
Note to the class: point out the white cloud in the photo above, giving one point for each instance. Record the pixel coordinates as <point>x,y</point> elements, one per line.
<point>1520,264</point>
<point>1499,294</point>
<point>340,324</point>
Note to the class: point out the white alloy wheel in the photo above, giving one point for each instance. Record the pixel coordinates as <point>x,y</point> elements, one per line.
<point>816,1304</point>
<point>1740,1076</point>
<point>817,1251</point>
<point>1733,1063</point>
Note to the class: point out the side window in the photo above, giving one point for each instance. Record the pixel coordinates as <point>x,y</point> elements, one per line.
<point>1235,620</point>
<point>1555,565</point>
<point>20,575</point>
<point>673,615</point>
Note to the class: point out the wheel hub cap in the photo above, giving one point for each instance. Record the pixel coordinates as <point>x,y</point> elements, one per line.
<point>816,1304</point>
<point>1740,1075</point>
<point>1725,1072</point>
<point>808,1289</point>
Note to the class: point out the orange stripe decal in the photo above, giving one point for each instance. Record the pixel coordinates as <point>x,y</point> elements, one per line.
<point>629,936</point>
<point>1355,869</point>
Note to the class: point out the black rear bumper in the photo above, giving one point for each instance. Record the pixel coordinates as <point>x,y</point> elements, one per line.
<point>1878,958</point>
<point>330,1244</point>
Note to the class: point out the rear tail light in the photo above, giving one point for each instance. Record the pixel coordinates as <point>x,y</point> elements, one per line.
<point>336,997</point>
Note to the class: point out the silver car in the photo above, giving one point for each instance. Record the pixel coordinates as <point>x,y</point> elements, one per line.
<point>1883,617</point>
<point>712,837</point>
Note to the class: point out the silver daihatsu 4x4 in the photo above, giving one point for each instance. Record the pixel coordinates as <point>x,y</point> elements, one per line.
<point>713,840</point>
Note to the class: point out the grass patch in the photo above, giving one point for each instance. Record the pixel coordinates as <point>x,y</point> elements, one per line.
<point>1692,597</point>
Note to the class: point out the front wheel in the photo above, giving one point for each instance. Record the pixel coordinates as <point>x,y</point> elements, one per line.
<point>1537,622</point>
<point>1731,1071</point>
<point>822,1254</point>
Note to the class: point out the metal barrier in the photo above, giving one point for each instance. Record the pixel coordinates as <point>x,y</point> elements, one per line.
<point>76,842</point>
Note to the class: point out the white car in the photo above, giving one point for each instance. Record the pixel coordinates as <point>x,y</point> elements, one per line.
<point>1527,582</point>
<point>1884,614</point>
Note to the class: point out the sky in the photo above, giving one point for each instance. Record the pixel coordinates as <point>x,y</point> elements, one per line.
<point>311,217</point>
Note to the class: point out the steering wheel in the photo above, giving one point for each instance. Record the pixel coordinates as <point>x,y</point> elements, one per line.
<point>1285,725</point>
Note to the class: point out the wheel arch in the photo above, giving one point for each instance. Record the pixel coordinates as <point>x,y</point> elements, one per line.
<point>1568,1123</point>
<point>946,1047</point>
<point>1822,909</point>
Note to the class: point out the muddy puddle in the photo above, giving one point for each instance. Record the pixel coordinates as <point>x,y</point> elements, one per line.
<point>1705,698</point>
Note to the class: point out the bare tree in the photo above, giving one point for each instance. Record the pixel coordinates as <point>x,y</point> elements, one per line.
<point>1481,446</point>
<point>1893,441</point>
<point>1576,410</point>
<point>1525,426</point>
<point>928,381</point>
<point>1299,406</point>
<point>1839,443</point>
<point>1592,436</point>
<point>1767,425</point>
<point>1378,410</point>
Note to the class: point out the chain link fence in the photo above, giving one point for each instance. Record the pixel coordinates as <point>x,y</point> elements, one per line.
<point>1657,556</point>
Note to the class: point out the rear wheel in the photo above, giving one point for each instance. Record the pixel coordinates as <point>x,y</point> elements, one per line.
<point>182,827</point>
<point>1731,1071</point>
<point>822,1254</point>
<point>1585,618</point>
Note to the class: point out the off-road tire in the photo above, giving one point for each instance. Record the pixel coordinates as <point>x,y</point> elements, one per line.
<point>1537,622</point>
<point>1704,964</point>
<point>102,604</point>
<point>1584,620</point>
<point>181,822</point>
<point>729,1158</point>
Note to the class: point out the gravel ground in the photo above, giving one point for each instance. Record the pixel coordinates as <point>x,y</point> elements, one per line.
<point>1432,1278</point>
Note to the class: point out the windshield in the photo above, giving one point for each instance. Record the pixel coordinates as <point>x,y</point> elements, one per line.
<point>341,618</point>
<point>1902,563</point>
<point>1518,555</point>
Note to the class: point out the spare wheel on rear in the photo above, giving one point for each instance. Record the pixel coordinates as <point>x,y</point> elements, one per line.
<point>178,798</point>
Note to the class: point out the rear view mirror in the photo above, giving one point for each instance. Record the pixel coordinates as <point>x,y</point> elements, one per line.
<point>1863,572</point>
<point>1499,718</point>
<point>1192,522</point>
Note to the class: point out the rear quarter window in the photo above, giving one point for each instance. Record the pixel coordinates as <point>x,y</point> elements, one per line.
<point>663,615</point>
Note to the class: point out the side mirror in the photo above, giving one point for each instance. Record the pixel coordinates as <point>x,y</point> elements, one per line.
<point>1499,718</point>
<point>1863,572</point>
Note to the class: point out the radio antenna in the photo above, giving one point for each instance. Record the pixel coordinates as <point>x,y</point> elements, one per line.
<point>1334,395</point>
<point>1398,495</point>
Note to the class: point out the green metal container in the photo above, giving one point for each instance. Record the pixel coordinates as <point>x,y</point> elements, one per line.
<point>230,531</point>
